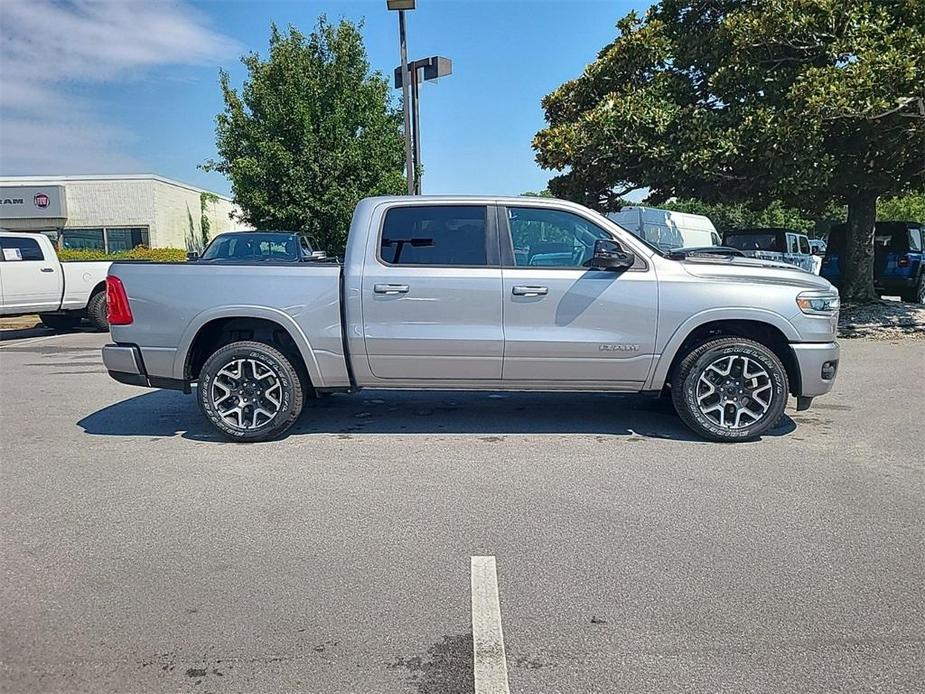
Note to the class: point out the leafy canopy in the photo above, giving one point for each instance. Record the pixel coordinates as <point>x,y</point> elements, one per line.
<point>800,101</point>
<point>311,133</point>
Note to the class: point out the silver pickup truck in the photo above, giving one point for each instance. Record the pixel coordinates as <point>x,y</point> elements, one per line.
<point>479,293</point>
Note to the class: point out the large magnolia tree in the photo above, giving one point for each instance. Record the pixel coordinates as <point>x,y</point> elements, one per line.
<point>311,132</point>
<point>807,102</point>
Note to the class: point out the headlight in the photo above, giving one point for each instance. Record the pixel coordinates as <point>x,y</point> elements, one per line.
<point>821,303</point>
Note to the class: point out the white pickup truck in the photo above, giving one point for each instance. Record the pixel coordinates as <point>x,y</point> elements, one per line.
<point>33,280</point>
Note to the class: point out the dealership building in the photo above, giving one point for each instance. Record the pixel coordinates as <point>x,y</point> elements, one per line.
<point>114,212</point>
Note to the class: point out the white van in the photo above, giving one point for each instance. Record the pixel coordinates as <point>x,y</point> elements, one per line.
<point>666,229</point>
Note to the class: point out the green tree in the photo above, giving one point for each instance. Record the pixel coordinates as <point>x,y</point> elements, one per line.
<point>904,208</point>
<point>807,102</point>
<point>311,133</point>
<point>205,224</point>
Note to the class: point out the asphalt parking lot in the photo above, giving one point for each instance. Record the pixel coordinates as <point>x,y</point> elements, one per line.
<point>140,553</point>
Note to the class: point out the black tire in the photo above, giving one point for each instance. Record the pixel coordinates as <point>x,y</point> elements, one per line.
<point>59,321</point>
<point>917,295</point>
<point>686,387</point>
<point>290,396</point>
<point>96,311</point>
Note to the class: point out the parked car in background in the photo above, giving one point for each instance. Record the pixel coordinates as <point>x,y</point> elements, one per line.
<point>33,280</point>
<point>776,244</point>
<point>714,251</point>
<point>440,293</point>
<point>899,263</point>
<point>817,247</point>
<point>257,246</point>
<point>666,229</point>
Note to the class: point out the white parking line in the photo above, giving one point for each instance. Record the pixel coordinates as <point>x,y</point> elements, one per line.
<point>487,639</point>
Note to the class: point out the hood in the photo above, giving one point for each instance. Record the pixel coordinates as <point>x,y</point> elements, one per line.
<point>752,271</point>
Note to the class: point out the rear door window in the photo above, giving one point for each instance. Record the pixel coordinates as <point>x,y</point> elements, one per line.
<point>449,235</point>
<point>804,245</point>
<point>18,248</point>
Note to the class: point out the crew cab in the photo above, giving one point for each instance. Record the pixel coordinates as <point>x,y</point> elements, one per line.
<point>33,280</point>
<point>479,293</point>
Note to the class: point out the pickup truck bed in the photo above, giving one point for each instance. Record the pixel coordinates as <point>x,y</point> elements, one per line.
<point>303,299</point>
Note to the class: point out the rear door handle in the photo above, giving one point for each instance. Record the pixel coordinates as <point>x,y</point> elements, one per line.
<point>530,291</point>
<point>48,269</point>
<point>390,288</point>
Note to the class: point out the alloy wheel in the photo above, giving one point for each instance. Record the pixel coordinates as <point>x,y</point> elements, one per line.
<point>246,394</point>
<point>734,391</point>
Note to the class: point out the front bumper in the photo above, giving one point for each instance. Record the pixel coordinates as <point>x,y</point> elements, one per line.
<point>818,365</point>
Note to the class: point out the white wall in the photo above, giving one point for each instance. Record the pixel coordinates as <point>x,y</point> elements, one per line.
<point>178,213</point>
<point>171,210</point>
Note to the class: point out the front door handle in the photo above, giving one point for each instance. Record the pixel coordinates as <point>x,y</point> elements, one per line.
<point>530,291</point>
<point>390,288</point>
<point>48,269</point>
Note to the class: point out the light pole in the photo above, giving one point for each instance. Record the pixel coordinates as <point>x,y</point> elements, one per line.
<point>419,71</point>
<point>401,6</point>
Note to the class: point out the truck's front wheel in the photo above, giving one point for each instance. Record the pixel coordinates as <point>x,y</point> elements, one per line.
<point>250,391</point>
<point>730,389</point>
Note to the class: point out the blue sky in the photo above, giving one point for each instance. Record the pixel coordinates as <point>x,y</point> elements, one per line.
<point>132,86</point>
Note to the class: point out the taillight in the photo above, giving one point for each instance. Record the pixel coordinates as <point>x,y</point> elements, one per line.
<point>120,313</point>
<point>903,261</point>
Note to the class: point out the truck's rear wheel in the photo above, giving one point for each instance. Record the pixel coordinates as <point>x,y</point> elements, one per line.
<point>96,311</point>
<point>59,321</point>
<point>250,391</point>
<point>730,389</point>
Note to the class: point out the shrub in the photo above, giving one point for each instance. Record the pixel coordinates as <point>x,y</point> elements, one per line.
<point>138,253</point>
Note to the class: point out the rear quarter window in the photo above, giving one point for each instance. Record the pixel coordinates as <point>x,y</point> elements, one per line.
<point>915,239</point>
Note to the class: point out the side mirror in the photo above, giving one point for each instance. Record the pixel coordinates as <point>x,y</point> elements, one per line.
<point>609,255</point>
<point>192,256</point>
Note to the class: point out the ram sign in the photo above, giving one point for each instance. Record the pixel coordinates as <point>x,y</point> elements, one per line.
<point>32,202</point>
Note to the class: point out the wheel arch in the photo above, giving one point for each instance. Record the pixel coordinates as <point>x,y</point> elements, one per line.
<point>766,328</point>
<point>208,331</point>
<point>99,287</point>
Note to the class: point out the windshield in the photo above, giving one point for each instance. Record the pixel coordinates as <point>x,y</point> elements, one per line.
<point>251,247</point>
<point>753,242</point>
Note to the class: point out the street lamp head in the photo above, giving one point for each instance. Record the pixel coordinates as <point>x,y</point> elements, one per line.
<point>400,4</point>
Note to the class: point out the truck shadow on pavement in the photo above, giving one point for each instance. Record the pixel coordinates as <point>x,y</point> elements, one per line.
<point>164,413</point>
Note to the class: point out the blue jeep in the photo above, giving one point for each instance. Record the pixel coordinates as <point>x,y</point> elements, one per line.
<point>899,264</point>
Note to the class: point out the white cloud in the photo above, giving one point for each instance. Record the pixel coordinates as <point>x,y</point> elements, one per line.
<point>50,50</point>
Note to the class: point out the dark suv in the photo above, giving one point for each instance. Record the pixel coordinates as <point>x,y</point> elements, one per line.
<point>899,263</point>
